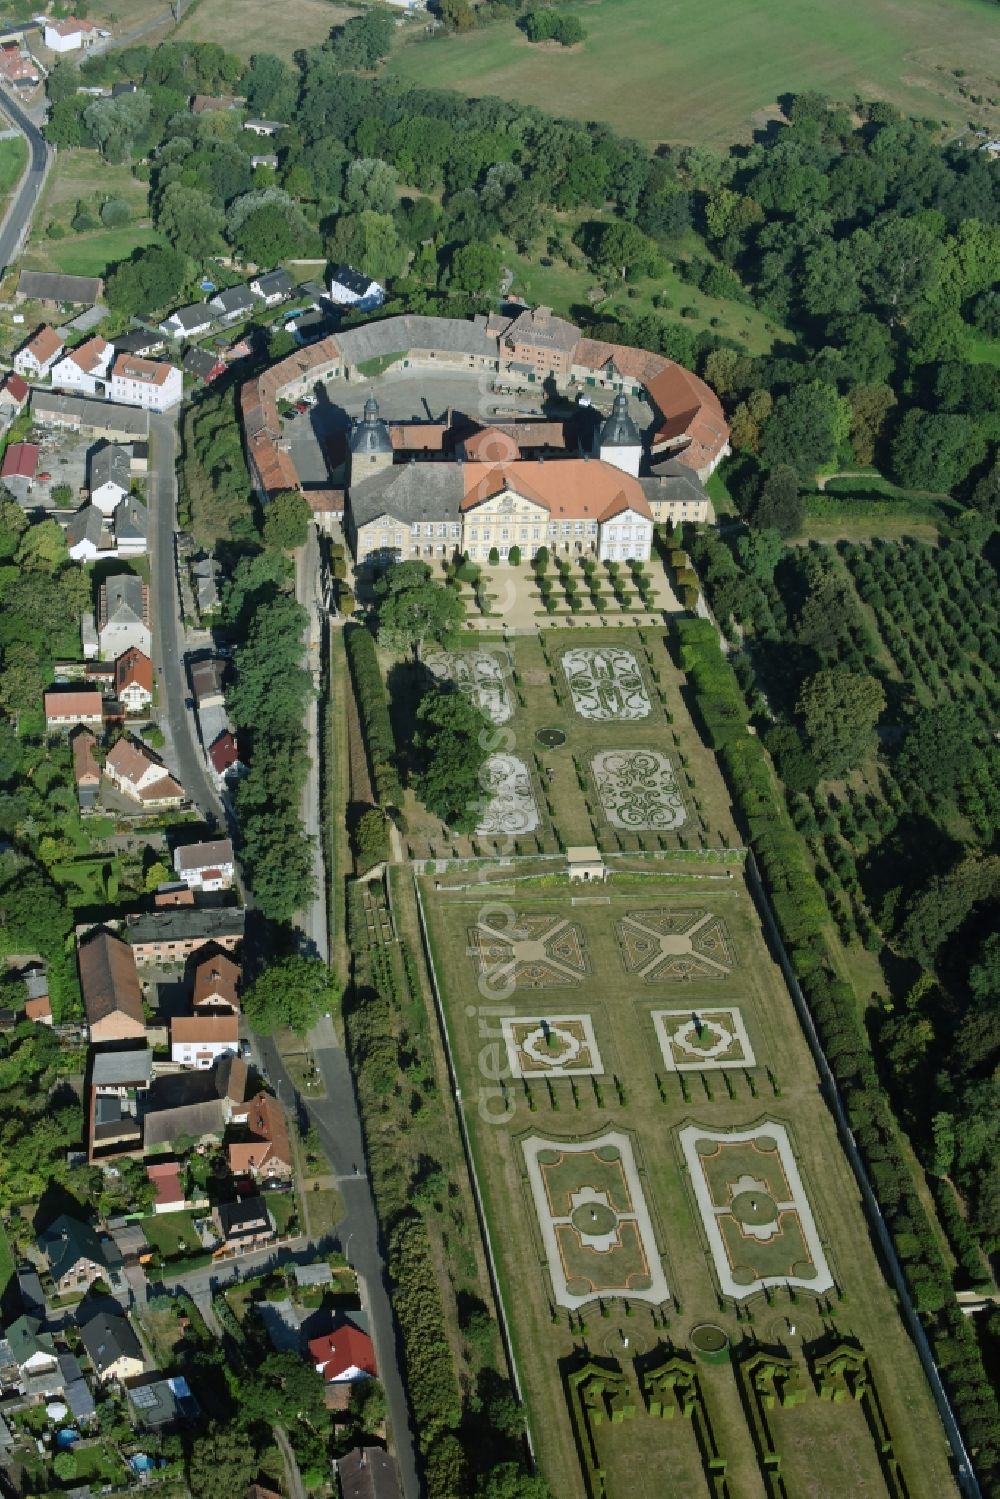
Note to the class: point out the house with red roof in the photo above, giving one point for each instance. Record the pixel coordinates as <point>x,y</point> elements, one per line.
<point>344,1355</point>
<point>223,754</point>
<point>39,354</point>
<point>13,394</point>
<point>134,680</point>
<point>166,1179</point>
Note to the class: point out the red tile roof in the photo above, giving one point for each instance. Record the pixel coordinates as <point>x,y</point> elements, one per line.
<point>166,1178</point>
<point>45,344</point>
<point>347,1348</point>
<point>133,669</point>
<point>16,387</point>
<point>78,705</point>
<point>223,753</point>
<point>572,489</point>
<point>20,461</point>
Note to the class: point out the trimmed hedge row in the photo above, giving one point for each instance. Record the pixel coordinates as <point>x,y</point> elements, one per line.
<point>802,916</point>
<point>373,706</point>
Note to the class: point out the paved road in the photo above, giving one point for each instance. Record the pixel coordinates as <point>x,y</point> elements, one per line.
<point>184,752</point>
<point>16,224</point>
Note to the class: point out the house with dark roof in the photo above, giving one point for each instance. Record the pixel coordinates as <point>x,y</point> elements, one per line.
<point>195,1103</point>
<point>203,364</point>
<point>87,535</point>
<point>32,1350</point>
<point>350,288</point>
<point>76,1390</point>
<point>206,866</point>
<point>140,341</point>
<point>77,1255</point>
<point>174,935</point>
<point>123,616</point>
<point>112,1347</point>
<point>368,1473</point>
<point>162,1404</point>
<point>110,476</point>
<point>41,286</point>
<point>188,322</point>
<point>272,287</point>
<point>245,1224</point>
<point>131,523</point>
<point>232,303</point>
<point>112,995</point>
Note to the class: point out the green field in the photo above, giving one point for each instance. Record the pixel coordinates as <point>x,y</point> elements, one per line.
<point>81,176</point>
<point>13,159</point>
<point>93,254</point>
<point>670,70</point>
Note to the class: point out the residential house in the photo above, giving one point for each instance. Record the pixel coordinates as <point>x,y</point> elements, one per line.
<point>223,756</point>
<point>55,288</point>
<point>243,1225</point>
<point>206,866</point>
<point>216,983</point>
<point>82,369</point>
<point>206,682</point>
<point>123,616</point>
<point>232,303</point>
<point>89,418</point>
<point>203,364</point>
<point>77,1256</point>
<point>173,936</point>
<point>112,996</point>
<point>146,382</point>
<point>351,288</point>
<point>141,341</point>
<point>119,1081</point>
<point>263,127</point>
<point>265,159</point>
<point>205,576</point>
<point>17,67</point>
<point>69,35</point>
<point>110,477</point>
<point>86,771</point>
<point>38,1008</point>
<point>70,710</point>
<point>344,1355</point>
<point>198,1040</point>
<point>188,322</point>
<point>39,354</point>
<point>137,774</point>
<point>162,1404</point>
<point>265,1150</point>
<point>112,1347</point>
<point>273,287</point>
<point>195,1103</point>
<point>87,535</point>
<point>33,1352</point>
<point>215,104</point>
<point>173,895</point>
<point>166,1179</point>
<point>131,522</point>
<point>13,395</point>
<point>368,1473</point>
<point>131,1241</point>
<point>134,681</point>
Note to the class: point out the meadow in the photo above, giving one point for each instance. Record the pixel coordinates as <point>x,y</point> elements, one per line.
<point>304,23</point>
<point>82,176</point>
<point>669,70</point>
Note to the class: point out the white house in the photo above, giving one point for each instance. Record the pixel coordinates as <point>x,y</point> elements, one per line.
<point>133,771</point>
<point>188,322</point>
<point>131,524</point>
<point>273,287</point>
<point>66,710</point>
<point>123,616</point>
<point>134,681</point>
<point>625,534</point>
<point>350,288</point>
<point>196,1040</point>
<point>87,537</point>
<point>232,303</point>
<point>39,353</point>
<point>110,477</point>
<point>263,127</point>
<point>205,866</point>
<point>80,369</point>
<point>69,35</point>
<point>146,382</point>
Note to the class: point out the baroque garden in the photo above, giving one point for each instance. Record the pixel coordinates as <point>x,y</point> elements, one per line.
<point>684,1267</point>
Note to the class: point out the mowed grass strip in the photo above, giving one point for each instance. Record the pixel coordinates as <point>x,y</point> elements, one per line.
<point>670,70</point>
<point>13,160</point>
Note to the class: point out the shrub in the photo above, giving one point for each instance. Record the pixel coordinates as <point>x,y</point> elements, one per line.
<point>494,556</point>
<point>115,212</point>
<point>373,706</point>
<point>514,556</point>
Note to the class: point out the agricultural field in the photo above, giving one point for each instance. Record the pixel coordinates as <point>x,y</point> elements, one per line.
<point>304,23</point>
<point>584,1133</point>
<point>651,69</point>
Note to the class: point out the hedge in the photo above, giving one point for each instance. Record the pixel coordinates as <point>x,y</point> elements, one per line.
<point>373,707</point>
<point>802,916</point>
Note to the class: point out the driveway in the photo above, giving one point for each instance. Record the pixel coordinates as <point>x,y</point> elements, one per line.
<point>183,751</point>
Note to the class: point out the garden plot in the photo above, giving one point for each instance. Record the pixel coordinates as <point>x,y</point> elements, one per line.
<point>594,1221</point>
<point>703,1039</point>
<point>551,1045</point>
<point>754,1209</point>
<point>509,809</point>
<point>606,684</point>
<point>536,952</point>
<point>480,675</point>
<point>638,790</point>
<point>674,944</point>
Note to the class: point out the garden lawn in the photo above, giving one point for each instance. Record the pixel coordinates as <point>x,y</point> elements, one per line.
<point>172,1234</point>
<point>304,23</point>
<point>95,254</point>
<point>651,1105</point>
<point>665,70</point>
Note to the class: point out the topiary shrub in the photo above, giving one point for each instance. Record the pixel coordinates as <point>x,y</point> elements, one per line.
<point>494,556</point>
<point>514,556</point>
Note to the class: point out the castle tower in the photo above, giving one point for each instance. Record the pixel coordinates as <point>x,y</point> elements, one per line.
<point>619,441</point>
<point>371,449</point>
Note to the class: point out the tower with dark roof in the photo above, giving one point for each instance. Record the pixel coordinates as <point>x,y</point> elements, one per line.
<point>619,441</point>
<point>371,448</point>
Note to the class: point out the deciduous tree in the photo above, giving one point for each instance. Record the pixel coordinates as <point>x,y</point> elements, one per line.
<point>839,711</point>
